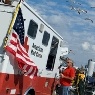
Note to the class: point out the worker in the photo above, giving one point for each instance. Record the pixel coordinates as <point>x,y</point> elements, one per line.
<point>66,78</point>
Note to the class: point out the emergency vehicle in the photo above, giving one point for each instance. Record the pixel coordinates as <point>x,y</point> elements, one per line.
<point>90,78</point>
<point>44,45</point>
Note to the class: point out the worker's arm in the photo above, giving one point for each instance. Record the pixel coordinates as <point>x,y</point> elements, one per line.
<point>70,78</point>
<point>71,75</point>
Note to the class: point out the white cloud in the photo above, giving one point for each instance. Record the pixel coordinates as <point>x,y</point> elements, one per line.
<point>50,3</point>
<point>91,3</point>
<point>93,47</point>
<point>91,38</point>
<point>86,45</point>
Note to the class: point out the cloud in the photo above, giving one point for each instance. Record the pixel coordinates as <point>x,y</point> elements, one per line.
<point>86,45</point>
<point>50,3</point>
<point>93,47</point>
<point>91,3</point>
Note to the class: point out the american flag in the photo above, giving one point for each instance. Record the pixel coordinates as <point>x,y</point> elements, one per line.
<point>16,48</point>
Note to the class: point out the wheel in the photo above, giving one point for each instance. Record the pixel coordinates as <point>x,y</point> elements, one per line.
<point>31,92</point>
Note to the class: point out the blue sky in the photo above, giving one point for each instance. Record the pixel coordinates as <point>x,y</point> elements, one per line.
<point>78,33</point>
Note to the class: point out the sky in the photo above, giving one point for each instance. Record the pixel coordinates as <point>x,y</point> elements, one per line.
<point>74,20</point>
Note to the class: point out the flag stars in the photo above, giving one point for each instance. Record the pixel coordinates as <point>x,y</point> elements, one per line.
<point>19,27</point>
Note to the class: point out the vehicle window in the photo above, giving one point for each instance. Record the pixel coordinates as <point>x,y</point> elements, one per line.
<point>32,30</point>
<point>52,55</point>
<point>46,38</point>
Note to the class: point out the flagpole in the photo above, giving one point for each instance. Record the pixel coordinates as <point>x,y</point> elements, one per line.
<point>12,23</point>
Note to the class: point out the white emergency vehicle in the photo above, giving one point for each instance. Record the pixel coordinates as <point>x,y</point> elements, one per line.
<point>44,46</point>
<point>90,79</point>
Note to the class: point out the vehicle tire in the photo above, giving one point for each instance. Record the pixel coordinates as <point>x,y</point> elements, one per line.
<point>31,92</point>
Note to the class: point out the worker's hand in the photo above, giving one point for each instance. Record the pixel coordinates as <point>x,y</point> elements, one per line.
<point>61,75</point>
